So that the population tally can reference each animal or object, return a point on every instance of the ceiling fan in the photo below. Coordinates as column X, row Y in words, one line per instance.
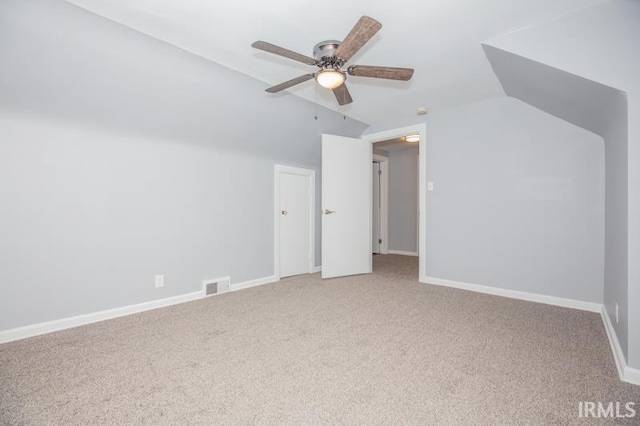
column 331, row 56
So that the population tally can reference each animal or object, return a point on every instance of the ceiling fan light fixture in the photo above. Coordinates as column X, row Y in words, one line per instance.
column 331, row 56
column 412, row 138
column 330, row 78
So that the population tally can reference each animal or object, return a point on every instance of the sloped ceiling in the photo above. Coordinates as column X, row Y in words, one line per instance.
column 63, row 63
column 440, row 40
column 583, row 102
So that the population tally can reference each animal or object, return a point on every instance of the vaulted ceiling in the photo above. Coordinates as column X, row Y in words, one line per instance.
column 441, row 40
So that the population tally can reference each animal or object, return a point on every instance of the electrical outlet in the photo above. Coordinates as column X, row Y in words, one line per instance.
column 617, row 316
column 159, row 281
column 429, row 186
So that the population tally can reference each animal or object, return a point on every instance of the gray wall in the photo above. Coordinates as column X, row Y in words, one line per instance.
column 602, row 110
column 601, row 45
column 518, row 201
column 403, row 199
column 122, row 157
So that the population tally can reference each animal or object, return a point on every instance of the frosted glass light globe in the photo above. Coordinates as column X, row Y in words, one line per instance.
column 330, row 78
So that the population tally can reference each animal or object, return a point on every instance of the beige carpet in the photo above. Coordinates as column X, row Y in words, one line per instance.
column 375, row 349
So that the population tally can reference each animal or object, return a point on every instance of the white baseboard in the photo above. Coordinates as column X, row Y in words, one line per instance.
column 65, row 323
column 403, row 253
column 253, row 283
column 316, row 269
column 515, row 294
column 627, row 374
column 631, row 375
column 618, row 355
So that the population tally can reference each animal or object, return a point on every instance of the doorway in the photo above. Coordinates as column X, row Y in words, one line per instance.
column 294, row 221
column 347, row 201
column 380, row 204
column 401, row 196
column 418, row 190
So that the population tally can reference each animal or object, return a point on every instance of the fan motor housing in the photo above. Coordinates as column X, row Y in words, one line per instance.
column 325, row 49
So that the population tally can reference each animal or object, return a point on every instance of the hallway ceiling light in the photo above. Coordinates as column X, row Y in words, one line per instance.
column 412, row 138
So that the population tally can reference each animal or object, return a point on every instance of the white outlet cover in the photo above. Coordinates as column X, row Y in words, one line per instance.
column 159, row 281
column 429, row 186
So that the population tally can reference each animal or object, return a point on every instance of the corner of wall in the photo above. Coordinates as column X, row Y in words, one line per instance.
column 626, row 373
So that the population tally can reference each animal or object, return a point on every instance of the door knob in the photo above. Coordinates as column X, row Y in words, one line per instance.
column 327, row 211
column 284, row 212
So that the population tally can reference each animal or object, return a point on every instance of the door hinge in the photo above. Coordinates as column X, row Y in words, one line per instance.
column 380, row 241
column 379, row 172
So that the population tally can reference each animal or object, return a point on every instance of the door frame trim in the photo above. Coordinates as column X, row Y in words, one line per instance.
column 384, row 194
column 278, row 170
column 421, row 129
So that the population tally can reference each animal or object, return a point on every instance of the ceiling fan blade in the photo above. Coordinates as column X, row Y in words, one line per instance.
column 389, row 73
column 272, row 48
column 342, row 94
column 290, row 83
column 360, row 34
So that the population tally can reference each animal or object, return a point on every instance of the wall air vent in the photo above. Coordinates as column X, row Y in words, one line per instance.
column 215, row 286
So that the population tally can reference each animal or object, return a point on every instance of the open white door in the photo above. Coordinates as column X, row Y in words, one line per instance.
column 346, row 206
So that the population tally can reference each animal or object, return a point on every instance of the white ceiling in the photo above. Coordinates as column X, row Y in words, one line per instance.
column 439, row 39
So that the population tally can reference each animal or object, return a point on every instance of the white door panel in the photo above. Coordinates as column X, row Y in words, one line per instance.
column 346, row 206
column 294, row 224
